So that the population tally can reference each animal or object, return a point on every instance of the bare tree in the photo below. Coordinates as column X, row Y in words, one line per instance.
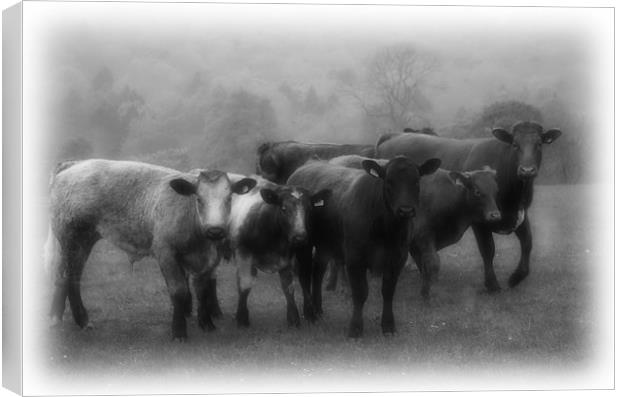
column 393, row 91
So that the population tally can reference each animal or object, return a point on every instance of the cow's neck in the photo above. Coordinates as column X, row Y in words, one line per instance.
column 514, row 193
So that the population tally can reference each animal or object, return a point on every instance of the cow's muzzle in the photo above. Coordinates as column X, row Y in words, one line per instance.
column 527, row 172
column 493, row 216
column 299, row 239
column 216, row 233
column 405, row 212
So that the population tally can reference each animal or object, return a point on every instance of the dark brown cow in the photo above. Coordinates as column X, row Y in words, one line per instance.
column 366, row 224
column 516, row 156
column 276, row 161
column 450, row 201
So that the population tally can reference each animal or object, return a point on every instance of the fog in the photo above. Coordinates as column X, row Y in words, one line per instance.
column 203, row 85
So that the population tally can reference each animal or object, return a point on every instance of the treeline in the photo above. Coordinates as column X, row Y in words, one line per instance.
column 206, row 123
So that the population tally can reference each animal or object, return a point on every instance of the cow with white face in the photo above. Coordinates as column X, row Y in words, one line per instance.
column 267, row 226
column 146, row 210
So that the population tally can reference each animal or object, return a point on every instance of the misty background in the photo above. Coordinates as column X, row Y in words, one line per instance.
column 208, row 95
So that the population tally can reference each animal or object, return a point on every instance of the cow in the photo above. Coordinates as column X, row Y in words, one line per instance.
column 145, row 210
column 515, row 155
column 276, row 161
column 366, row 224
column 450, row 201
column 266, row 227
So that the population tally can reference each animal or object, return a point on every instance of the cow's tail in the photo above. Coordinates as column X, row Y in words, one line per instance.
column 51, row 252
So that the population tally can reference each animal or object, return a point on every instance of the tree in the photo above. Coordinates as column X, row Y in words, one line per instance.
column 233, row 133
column 394, row 90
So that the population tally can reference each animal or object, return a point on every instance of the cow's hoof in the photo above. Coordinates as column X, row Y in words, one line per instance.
column 388, row 328
column 356, row 331
column 206, row 324
column 180, row 339
column 516, row 278
column 492, row 287
column 293, row 321
column 243, row 320
column 310, row 315
column 89, row 326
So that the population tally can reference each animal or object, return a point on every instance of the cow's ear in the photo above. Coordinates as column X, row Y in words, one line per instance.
column 270, row 196
column 551, row 135
column 459, row 178
column 183, row 187
column 243, row 186
column 373, row 168
column 429, row 166
column 319, row 199
column 502, row 135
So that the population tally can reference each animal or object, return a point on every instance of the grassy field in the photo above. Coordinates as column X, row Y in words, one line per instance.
column 545, row 323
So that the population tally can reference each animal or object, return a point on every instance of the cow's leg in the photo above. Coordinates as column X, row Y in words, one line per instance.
column 188, row 298
column 425, row 274
column 286, row 280
column 305, row 262
column 246, row 274
column 319, row 266
column 79, row 250
column 216, row 311
column 359, row 292
column 390, row 278
column 524, row 234
column 203, row 295
column 61, row 287
column 486, row 245
column 332, row 280
column 178, row 289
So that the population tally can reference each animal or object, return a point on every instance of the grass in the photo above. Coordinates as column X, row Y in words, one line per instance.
column 545, row 322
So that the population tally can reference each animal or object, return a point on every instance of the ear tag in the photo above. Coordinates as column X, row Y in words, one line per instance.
column 319, row 203
column 374, row 173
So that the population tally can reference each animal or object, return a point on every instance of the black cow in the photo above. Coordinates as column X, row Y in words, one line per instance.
column 366, row 224
column 276, row 161
column 516, row 156
column 450, row 201
column 266, row 227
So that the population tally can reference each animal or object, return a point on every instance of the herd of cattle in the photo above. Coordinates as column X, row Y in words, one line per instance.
column 359, row 207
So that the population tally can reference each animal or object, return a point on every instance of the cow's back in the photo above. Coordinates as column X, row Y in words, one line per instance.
column 453, row 153
column 125, row 201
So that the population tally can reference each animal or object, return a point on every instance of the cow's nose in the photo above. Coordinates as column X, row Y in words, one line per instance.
column 527, row 171
column 216, row 233
column 494, row 216
column 406, row 211
column 299, row 238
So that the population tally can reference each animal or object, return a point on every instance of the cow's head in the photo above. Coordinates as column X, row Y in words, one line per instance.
column 212, row 192
column 480, row 193
column 401, row 182
column 526, row 139
column 267, row 163
column 294, row 207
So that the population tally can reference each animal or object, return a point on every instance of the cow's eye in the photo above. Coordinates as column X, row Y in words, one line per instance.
column 477, row 193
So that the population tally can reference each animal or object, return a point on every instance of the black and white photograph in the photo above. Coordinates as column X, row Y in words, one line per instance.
column 217, row 198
